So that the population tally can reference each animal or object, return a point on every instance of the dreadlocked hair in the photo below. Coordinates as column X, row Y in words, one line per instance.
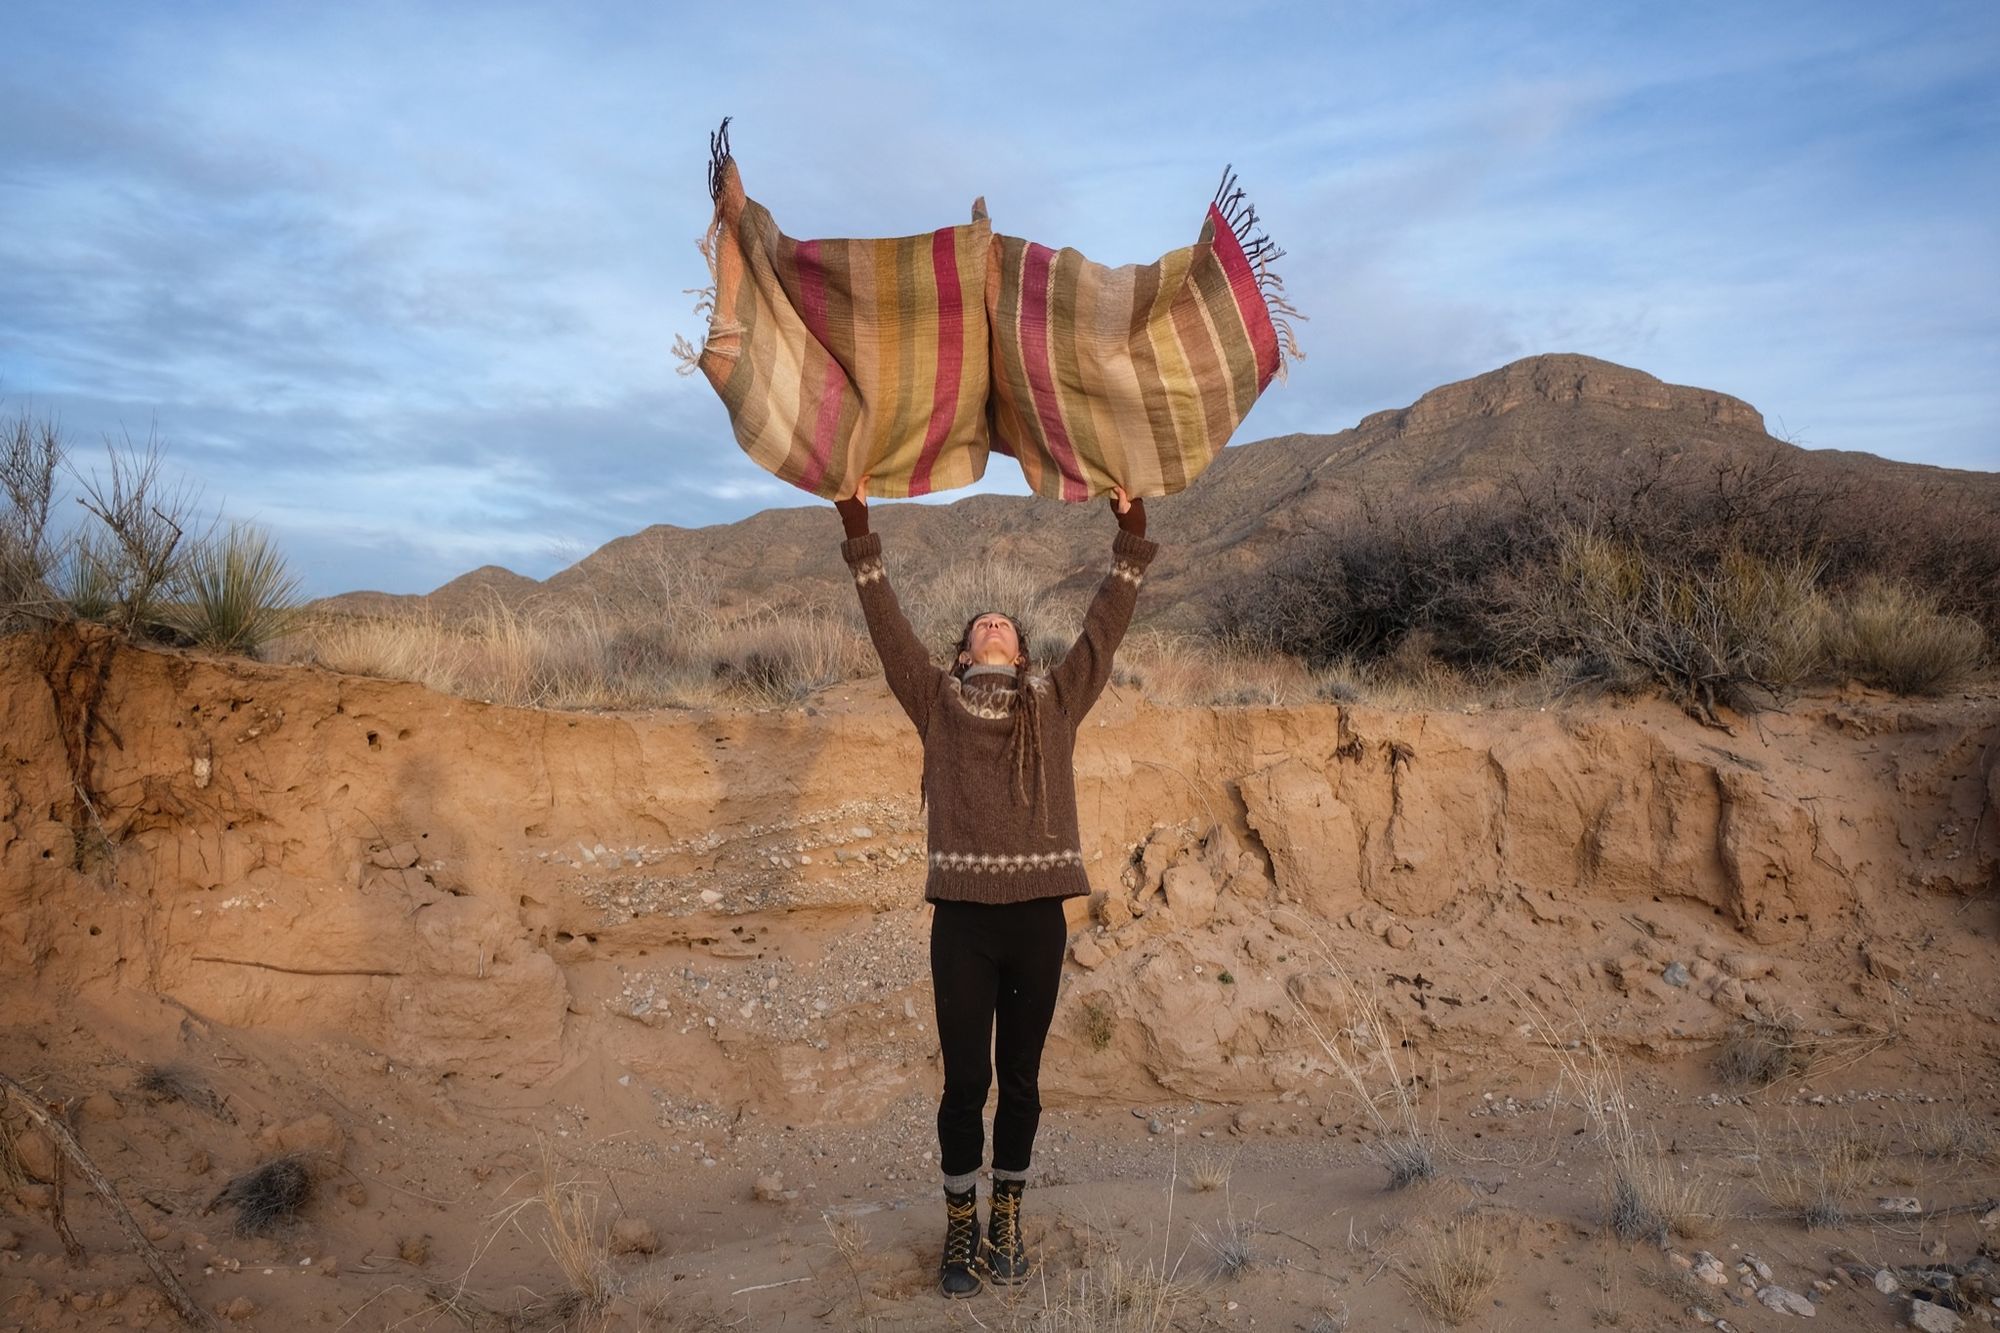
column 1025, row 740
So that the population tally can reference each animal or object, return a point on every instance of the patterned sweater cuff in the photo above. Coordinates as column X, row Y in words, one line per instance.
column 868, row 546
column 1137, row 550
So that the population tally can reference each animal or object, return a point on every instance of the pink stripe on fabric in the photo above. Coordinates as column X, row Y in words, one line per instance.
column 1035, row 352
column 950, row 356
column 812, row 307
column 1249, row 301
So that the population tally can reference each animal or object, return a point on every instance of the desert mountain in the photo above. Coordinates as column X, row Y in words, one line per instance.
column 1455, row 441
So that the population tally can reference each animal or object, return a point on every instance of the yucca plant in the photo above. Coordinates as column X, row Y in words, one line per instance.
column 90, row 578
column 239, row 594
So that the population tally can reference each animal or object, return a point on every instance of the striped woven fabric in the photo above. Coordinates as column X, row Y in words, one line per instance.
column 844, row 358
column 906, row 360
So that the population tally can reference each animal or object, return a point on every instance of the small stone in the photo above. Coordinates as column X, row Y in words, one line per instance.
column 1680, row 1261
column 1990, row 1218
column 1937, row 1249
column 1710, row 1270
column 1676, row 975
column 1758, row 1266
column 401, row 856
column 314, row 1134
column 633, row 1235
column 1086, row 953
column 711, row 896
column 355, row 1193
column 414, row 1250
column 239, row 1309
column 102, row 1106
column 1933, row 1318
column 1898, row 1203
column 1785, row 1301
column 769, row 1188
column 1398, row 936
column 1156, row 1126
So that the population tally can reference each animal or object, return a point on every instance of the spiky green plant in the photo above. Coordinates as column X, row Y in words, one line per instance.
column 239, row 594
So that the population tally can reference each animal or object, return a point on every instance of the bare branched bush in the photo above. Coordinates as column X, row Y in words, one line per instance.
column 32, row 452
column 1706, row 634
column 149, row 521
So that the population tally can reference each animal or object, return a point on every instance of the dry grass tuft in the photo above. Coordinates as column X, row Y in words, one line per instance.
column 177, row 1083
column 1811, row 1173
column 1233, row 1243
column 1649, row 1196
column 1453, row 1268
column 1949, row 1133
column 1755, row 1055
column 591, row 657
column 1890, row 634
column 573, row 1238
column 268, row 1198
column 1209, row 1169
column 1368, row 1056
column 1115, row 1296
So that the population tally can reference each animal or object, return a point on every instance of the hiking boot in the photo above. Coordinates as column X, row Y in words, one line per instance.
column 956, row 1276
column 1004, row 1254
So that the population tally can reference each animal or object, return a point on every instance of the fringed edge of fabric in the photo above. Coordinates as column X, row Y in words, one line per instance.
column 685, row 352
column 1262, row 252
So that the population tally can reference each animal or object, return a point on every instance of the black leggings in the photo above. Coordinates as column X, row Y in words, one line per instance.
column 994, row 970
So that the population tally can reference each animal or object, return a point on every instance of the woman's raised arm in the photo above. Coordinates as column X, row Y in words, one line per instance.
column 905, row 663
column 1080, row 677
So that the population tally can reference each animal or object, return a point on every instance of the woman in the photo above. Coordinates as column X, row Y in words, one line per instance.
column 1004, row 852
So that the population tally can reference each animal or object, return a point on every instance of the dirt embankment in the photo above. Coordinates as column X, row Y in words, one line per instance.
column 711, row 900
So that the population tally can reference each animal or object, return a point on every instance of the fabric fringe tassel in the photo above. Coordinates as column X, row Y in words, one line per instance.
column 718, row 157
column 686, row 352
column 1262, row 252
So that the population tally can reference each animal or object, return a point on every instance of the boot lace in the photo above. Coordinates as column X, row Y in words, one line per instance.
column 1006, row 1221
column 961, row 1232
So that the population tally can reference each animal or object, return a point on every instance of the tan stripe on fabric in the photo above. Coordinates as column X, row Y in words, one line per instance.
column 1072, row 401
column 1175, row 376
column 1208, row 377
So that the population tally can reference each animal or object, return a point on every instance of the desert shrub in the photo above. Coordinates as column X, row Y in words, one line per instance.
column 1706, row 631
column 239, row 595
column 1717, row 582
column 1356, row 592
column 1889, row 634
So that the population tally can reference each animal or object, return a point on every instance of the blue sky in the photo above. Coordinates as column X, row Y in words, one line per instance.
column 400, row 281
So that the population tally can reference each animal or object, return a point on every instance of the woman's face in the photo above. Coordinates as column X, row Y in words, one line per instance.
column 992, row 640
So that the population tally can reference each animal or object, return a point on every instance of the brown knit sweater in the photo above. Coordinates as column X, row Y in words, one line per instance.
column 986, row 844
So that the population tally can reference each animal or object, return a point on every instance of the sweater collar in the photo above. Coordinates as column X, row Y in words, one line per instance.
column 1003, row 673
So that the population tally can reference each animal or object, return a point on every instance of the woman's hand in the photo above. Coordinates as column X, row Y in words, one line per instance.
column 854, row 510
column 1131, row 512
